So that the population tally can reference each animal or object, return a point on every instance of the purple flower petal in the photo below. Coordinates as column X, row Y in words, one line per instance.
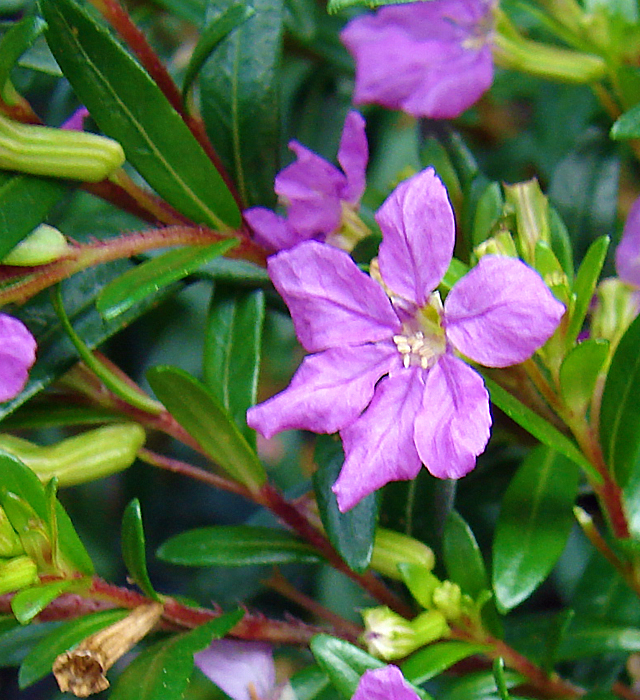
column 17, row 355
column 427, row 58
column 332, row 302
column 386, row 683
column 271, row 231
column 233, row 665
column 628, row 250
column 452, row 428
column 418, row 231
column 379, row 445
column 76, row 120
column 500, row 312
column 329, row 391
column 353, row 155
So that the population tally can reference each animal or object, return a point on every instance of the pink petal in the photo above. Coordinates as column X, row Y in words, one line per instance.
column 628, row 250
column 233, row 665
column 386, row 683
column 379, row 445
column 353, row 155
column 271, row 231
column 418, row 234
column 76, row 120
column 329, row 391
column 500, row 312
column 332, row 302
column 453, row 425
column 17, row 355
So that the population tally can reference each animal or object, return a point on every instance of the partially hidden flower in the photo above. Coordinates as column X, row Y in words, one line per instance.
column 243, row 670
column 76, row 120
column 17, row 355
column 628, row 250
column 385, row 368
column 386, row 683
column 429, row 59
column 320, row 200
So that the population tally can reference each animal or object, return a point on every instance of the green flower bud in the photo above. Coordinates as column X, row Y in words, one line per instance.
column 43, row 245
column 387, row 635
column 10, row 545
column 430, row 626
column 616, row 307
column 86, row 457
column 500, row 244
column 420, row 582
column 43, row 150
column 531, row 210
column 447, row 598
column 392, row 548
column 16, row 574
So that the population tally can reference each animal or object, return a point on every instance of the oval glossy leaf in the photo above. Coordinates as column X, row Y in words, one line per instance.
column 580, row 370
column 130, row 108
column 432, row 660
column 146, row 279
column 351, row 533
column 200, row 413
column 534, row 523
column 239, row 90
column 232, row 351
column 162, row 672
column 28, row 603
column 39, row 660
column 462, row 556
column 619, row 415
column 133, row 548
column 235, row 545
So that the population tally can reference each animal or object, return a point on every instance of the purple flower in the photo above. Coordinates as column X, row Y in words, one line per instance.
column 76, row 120
column 386, row 683
column 628, row 250
column 17, row 355
column 430, row 59
column 316, row 194
column 383, row 369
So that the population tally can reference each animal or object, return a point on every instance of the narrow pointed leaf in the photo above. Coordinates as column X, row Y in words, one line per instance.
column 28, row 603
column 133, row 548
column 436, row 658
column 15, row 42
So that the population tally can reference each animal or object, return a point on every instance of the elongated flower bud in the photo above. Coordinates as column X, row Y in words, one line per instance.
column 86, row 457
column 43, row 150
column 17, row 573
column 43, row 245
column 392, row 548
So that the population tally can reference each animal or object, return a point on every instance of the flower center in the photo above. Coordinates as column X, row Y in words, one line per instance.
column 422, row 340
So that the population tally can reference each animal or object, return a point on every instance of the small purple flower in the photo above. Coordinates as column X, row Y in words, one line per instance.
column 76, row 120
column 429, row 59
column 386, row 683
column 628, row 250
column 316, row 194
column 17, row 355
column 384, row 369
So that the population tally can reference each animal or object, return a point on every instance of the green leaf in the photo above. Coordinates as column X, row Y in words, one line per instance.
column 18, row 479
column 538, row 426
column 232, row 349
column 594, row 638
column 351, row 533
column 133, row 548
column 239, row 90
column 309, row 683
column 487, row 213
column 39, row 660
column 28, row 603
column 15, row 42
column 579, row 372
column 462, row 556
column 534, row 523
column 200, row 413
column 25, row 201
column 432, row 660
column 585, row 285
column 162, row 672
column 337, row 5
column 191, row 10
column 235, row 545
column 627, row 126
column 18, row 641
column 130, row 108
column 143, row 280
column 620, row 410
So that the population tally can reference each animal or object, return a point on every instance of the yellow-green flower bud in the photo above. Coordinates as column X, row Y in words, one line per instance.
column 387, row 635
column 16, row 574
column 447, row 598
column 500, row 244
column 43, row 245
column 86, row 457
column 10, row 545
column 531, row 210
column 430, row 626
column 43, row 150
column 616, row 307
column 392, row 548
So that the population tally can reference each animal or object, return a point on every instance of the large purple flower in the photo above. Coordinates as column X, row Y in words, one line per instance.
column 385, row 369
column 317, row 195
column 430, row 59
column 386, row 683
column 17, row 354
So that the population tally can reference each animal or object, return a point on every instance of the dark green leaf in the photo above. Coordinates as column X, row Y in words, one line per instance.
column 39, row 660
column 129, row 107
column 133, row 548
column 239, row 88
column 538, row 426
column 436, row 658
column 593, row 638
column 15, row 42
column 140, row 282
column 25, row 201
column 579, row 372
column 235, row 545
column 337, row 5
column 534, row 523
column 191, row 10
column 232, row 348
column 620, row 409
column 162, row 672
column 28, row 603
column 351, row 533
column 487, row 213
column 462, row 556
column 18, row 641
